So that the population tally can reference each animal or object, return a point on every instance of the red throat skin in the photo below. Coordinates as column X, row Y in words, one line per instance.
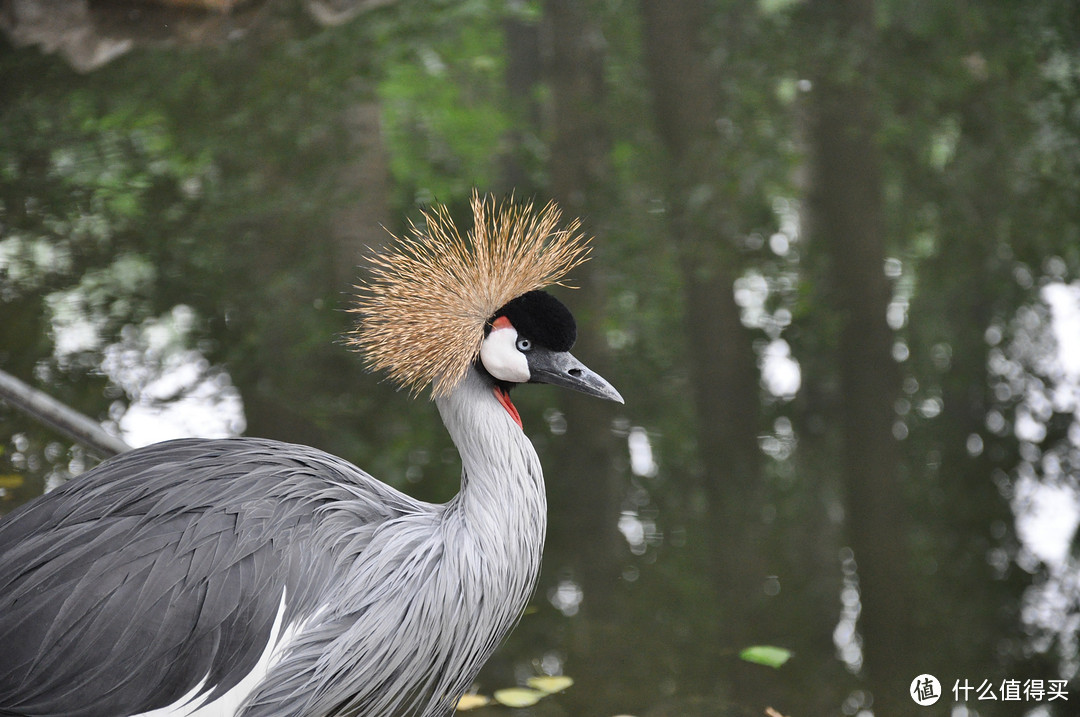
column 504, row 399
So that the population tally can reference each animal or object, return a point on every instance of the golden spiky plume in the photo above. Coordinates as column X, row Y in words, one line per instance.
column 427, row 298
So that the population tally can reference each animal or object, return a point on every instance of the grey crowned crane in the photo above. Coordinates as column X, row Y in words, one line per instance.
column 256, row 578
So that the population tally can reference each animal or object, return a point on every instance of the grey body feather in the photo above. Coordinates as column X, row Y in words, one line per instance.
column 165, row 568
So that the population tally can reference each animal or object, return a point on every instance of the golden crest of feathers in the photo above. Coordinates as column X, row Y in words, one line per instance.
column 424, row 306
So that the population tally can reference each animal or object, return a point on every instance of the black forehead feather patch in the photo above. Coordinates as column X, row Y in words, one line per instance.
column 541, row 317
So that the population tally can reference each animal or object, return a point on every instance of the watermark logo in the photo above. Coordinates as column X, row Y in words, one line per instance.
column 925, row 690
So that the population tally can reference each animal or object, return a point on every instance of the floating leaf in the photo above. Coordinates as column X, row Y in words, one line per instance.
column 550, row 684
column 768, row 655
column 471, row 702
column 518, row 697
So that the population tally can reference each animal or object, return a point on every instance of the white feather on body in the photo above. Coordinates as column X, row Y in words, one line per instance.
column 193, row 704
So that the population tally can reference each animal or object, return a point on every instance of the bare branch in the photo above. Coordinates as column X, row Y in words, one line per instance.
column 46, row 409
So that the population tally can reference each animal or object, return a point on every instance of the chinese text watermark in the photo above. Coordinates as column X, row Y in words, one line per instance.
column 926, row 689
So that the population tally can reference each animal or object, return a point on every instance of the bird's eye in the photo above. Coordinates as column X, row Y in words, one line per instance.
column 523, row 344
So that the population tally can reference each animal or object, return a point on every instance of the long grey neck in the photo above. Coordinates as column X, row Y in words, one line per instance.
column 502, row 504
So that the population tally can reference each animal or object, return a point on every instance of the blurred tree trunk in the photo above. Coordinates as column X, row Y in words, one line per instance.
column 685, row 85
column 585, row 493
column 951, row 316
column 364, row 183
column 274, row 399
column 523, row 74
column 847, row 223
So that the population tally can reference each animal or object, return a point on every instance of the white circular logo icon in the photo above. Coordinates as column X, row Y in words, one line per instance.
column 925, row 690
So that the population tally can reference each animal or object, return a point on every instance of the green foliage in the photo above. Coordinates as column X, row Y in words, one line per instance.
column 444, row 107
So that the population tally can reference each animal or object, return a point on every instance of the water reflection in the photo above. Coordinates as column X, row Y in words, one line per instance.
column 566, row 597
column 846, row 635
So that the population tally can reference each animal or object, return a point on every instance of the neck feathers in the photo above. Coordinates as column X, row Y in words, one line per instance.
column 502, row 483
column 494, row 528
column 501, row 510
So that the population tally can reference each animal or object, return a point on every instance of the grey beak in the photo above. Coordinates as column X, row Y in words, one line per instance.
column 560, row 368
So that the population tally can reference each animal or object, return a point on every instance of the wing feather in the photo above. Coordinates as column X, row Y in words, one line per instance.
column 164, row 568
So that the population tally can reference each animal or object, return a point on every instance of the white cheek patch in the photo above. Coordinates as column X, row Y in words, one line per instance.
column 501, row 358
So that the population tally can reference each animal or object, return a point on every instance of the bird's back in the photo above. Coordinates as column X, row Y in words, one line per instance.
column 177, row 560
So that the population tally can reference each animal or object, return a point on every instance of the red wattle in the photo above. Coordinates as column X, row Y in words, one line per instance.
column 504, row 399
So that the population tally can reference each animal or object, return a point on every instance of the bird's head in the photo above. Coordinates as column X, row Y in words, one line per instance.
column 437, row 305
column 529, row 340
